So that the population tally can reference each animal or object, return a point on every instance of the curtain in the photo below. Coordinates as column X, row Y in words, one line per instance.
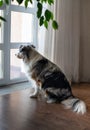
column 62, row 46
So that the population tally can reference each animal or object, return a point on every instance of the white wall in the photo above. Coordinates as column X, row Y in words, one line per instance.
column 85, row 41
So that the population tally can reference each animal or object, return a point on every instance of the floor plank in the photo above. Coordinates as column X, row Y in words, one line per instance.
column 19, row 112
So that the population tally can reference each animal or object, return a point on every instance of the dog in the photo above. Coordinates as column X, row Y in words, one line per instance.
column 49, row 78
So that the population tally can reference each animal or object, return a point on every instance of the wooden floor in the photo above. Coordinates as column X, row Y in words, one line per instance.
column 19, row 112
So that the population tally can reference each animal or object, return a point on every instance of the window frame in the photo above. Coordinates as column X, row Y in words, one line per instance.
column 7, row 45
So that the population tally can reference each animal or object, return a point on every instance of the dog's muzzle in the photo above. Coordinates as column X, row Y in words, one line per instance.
column 19, row 55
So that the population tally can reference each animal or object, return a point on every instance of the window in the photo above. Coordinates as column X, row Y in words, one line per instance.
column 20, row 28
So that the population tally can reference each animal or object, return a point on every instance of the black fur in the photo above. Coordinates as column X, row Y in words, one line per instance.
column 54, row 79
column 39, row 66
column 57, row 80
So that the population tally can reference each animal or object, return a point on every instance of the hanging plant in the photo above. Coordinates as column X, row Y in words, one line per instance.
column 44, row 18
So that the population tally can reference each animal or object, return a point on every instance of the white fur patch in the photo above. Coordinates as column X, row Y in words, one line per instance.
column 80, row 106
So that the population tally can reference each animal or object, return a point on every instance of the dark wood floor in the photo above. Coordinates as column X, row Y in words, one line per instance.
column 19, row 112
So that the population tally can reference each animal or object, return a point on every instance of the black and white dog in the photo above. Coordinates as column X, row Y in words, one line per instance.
column 48, row 77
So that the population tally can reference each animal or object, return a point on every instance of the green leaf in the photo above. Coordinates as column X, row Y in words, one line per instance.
column 44, row 1
column 50, row 2
column 51, row 15
column 7, row 2
column 26, row 3
column 39, row 5
column 41, row 21
column 31, row 1
column 46, row 24
column 55, row 24
column 19, row 1
column 1, row 3
column 3, row 19
column 39, row 13
column 47, row 15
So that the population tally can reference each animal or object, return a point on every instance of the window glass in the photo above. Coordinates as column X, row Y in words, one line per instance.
column 16, row 66
column 21, row 27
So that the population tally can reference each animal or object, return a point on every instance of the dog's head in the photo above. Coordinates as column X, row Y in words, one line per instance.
column 24, row 51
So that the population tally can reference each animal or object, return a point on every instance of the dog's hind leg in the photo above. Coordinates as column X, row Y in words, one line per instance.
column 51, row 98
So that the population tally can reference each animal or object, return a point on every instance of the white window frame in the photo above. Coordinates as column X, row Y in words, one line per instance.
column 7, row 45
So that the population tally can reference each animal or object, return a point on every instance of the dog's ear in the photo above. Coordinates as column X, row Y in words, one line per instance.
column 33, row 46
column 21, row 46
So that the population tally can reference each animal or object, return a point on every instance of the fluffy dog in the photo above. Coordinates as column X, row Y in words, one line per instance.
column 48, row 77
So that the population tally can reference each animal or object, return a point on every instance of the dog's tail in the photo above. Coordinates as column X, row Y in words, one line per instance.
column 75, row 104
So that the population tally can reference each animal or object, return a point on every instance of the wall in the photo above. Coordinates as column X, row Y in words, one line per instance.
column 85, row 41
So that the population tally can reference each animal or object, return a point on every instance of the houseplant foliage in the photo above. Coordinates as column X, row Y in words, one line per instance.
column 43, row 18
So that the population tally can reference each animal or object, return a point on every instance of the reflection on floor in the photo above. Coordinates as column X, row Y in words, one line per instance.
column 15, row 87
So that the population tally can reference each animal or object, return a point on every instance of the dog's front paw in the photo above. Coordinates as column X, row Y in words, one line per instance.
column 33, row 95
column 51, row 100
